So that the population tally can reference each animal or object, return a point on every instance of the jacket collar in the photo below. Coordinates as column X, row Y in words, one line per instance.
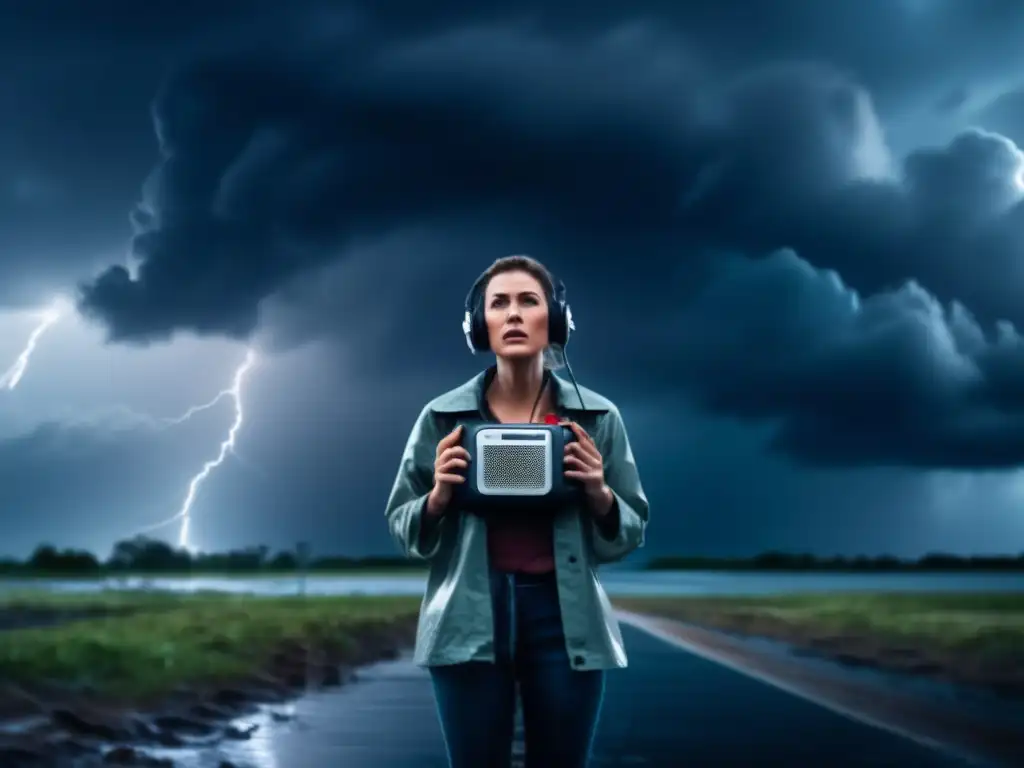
column 466, row 397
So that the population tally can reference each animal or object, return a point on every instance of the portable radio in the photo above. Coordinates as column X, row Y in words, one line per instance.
column 516, row 467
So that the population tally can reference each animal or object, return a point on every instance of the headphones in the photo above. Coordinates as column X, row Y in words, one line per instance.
column 474, row 322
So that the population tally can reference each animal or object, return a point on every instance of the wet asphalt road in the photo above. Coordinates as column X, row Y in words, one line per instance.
column 668, row 708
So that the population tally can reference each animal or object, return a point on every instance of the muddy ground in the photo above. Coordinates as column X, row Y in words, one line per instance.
column 53, row 726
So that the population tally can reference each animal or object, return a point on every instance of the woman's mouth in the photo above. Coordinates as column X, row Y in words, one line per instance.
column 514, row 335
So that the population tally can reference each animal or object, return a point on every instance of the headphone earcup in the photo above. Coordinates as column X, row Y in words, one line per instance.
column 481, row 340
column 560, row 324
column 474, row 324
column 558, row 328
column 467, row 330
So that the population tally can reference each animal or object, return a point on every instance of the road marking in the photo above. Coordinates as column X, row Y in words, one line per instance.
column 651, row 626
column 519, row 740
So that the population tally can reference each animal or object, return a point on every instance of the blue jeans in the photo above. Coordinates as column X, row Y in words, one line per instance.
column 476, row 701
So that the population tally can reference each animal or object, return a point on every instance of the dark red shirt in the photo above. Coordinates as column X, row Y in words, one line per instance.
column 517, row 545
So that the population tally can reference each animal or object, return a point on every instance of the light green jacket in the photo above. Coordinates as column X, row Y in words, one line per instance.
column 455, row 623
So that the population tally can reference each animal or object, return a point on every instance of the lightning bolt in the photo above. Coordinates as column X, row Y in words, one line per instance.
column 168, row 421
column 227, row 446
column 13, row 375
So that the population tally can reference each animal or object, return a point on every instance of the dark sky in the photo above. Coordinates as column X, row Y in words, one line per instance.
column 792, row 233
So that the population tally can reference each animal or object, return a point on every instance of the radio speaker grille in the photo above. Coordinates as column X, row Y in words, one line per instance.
column 515, row 467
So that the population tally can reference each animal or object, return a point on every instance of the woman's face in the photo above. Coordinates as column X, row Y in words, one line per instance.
column 517, row 315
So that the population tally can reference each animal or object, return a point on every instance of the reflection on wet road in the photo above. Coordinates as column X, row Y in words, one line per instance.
column 668, row 709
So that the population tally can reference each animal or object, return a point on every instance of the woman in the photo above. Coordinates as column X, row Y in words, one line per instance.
column 518, row 603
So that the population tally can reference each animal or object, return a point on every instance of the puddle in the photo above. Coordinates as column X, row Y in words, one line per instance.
column 385, row 718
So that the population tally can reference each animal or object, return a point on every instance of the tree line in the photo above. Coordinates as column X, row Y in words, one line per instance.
column 144, row 555
column 784, row 561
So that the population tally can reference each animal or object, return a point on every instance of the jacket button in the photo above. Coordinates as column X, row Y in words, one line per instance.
column 572, row 558
column 578, row 661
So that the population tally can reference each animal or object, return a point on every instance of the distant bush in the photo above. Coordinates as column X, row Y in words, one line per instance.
column 782, row 561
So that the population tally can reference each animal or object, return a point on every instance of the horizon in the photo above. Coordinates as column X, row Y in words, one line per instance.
column 269, row 552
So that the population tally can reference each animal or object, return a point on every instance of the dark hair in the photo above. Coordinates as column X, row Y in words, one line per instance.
column 554, row 356
column 519, row 263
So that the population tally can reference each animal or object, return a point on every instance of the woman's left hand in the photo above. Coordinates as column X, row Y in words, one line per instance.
column 583, row 462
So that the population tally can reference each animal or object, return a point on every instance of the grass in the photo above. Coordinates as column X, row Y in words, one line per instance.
column 107, row 599
column 150, row 643
column 138, row 644
column 990, row 625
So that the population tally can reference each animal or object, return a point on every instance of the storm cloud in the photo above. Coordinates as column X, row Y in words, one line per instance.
column 894, row 378
column 272, row 166
column 611, row 139
column 625, row 143
column 789, row 229
column 267, row 171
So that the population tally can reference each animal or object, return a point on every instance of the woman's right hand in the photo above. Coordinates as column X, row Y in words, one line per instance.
column 449, row 459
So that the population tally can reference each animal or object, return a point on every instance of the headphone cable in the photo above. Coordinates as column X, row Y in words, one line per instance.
column 568, row 369
column 545, row 379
